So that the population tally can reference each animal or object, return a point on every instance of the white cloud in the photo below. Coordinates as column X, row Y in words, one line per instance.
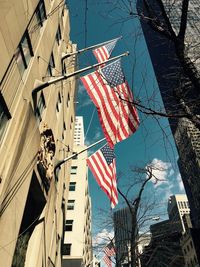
column 161, row 171
column 83, row 103
column 102, row 237
column 169, row 179
column 171, row 172
column 81, row 89
column 97, row 135
column 180, row 183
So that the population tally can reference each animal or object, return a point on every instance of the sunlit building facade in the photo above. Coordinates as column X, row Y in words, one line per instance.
column 34, row 131
column 77, row 250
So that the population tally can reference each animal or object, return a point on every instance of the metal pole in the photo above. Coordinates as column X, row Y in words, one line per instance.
column 73, row 155
column 88, row 48
column 64, row 77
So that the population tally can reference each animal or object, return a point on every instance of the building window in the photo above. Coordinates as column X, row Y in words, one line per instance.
column 75, row 155
column 185, row 204
column 24, row 53
column 74, row 170
column 59, row 102
column 72, row 186
column 68, row 225
column 58, row 35
column 40, row 107
column 70, row 204
column 67, row 249
column 71, row 122
column 68, row 100
column 59, row 98
column 51, row 65
column 4, row 115
column 40, row 13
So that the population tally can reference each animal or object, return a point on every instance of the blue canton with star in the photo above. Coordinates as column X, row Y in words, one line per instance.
column 110, row 46
column 108, row 153
column 113, row 73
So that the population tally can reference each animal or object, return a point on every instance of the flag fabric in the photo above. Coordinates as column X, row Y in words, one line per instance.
column 103, row 53
column 107, row 261
column 103, row 166
column 109, row 251
column 113, row 99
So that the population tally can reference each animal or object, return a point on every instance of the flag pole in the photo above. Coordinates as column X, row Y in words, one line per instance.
column 64, row 77
column 88, row 48
column 43, row 85
column 74, row 155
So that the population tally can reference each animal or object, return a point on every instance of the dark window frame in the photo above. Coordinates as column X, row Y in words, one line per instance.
column 67, row 249
column 70, row 204
column 72, row 186
column 5, row 115
column 51, row 64
column 73, row 168
column 20, row 52
column 69, row 225
column 38, row 111
column 38, row 12
column 58, row 35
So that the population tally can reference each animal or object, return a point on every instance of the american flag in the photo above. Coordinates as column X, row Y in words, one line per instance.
column 109, row 251
column 107, row 261
column 102, row 53
column 112, row 96
column 102, row 165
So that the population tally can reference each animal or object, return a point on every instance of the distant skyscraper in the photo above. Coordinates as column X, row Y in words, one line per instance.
column 123, row 228
column 79, row 131
column 177, row 207
column 170, row 78
column 78, row 241
column 164, row 248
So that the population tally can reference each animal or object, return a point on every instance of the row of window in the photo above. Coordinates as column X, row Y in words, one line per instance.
column 192, row 263
column 22, row 57
column 24, row 51
column 183, row 204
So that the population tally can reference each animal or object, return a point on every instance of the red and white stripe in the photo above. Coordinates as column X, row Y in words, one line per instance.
column 105, row 175
column 109, row 250
column 118, row 118
column 107, row 261
column 101, row 53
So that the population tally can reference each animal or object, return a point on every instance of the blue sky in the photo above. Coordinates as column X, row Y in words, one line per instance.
column 153, row 142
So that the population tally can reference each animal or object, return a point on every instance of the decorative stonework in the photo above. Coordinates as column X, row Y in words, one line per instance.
column 46, row 155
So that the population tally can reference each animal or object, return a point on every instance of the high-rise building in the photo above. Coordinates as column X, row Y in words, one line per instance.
column 123, row 229
column 171, row 79
column 165, row 248
column 77, row 250
column 34, row 130
column 190, row 243
column 79, row 131
column 177, row 207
